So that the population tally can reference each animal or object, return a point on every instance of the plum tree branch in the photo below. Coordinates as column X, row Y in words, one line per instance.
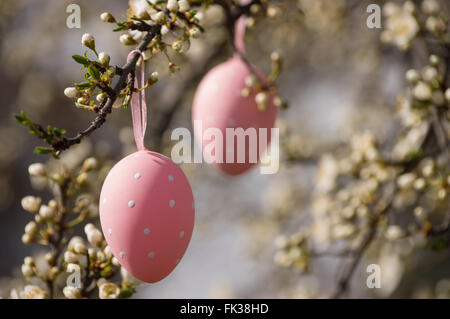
column 126, row 70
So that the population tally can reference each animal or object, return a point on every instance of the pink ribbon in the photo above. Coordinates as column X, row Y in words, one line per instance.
column 239, row 30
column 239, row 33
column 139, row 112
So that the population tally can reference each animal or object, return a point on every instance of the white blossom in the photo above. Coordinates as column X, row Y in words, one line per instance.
column 31, row 228
column 88, row 41
column 183, row 5
column 31, row 204
column 107, row 17
column 104, row 58
column 71, row 292
column 109, row 291
column 37, row 170
column 33, row 292
column 70, row 257
column 172, row 5
column 71, row 92
column 46, row 212
column 94, row 237
column 422, row 91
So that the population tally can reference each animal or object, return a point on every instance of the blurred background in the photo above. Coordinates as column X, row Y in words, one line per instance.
column 338, row 78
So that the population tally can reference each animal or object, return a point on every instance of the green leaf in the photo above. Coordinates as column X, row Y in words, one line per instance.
column 22, row 118
column 42, row 150
column 127, row 292
column 94, row 72
column 80, row 59
column 58, row 132
column 82, row 86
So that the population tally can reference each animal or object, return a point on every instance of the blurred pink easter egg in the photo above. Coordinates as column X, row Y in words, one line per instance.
column 218, row 103
column 147, row 214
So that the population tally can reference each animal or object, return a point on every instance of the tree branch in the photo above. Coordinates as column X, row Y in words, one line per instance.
column 126, row 70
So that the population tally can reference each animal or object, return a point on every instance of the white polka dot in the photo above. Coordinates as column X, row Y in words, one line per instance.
column 131, row 203
column 171, row 178
column 122, row 254
column 146, row 231
column 172, row 203
column 137, row 175
column 104, row 200
column 177, row 261
column 181, row 234
column 110, row 231
column 151, row 254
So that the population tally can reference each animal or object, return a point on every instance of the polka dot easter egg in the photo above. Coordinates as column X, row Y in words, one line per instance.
column 147, row 214
column 219, row 104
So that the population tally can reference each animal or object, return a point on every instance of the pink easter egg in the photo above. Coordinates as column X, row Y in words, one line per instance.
column 218, row 103
column 147, row 214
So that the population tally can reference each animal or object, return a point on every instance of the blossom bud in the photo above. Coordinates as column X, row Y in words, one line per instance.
column 37, row 170
column 177, row 45
column 108, row 291
column 82, row 178
column 273, row 11
column 183, row 5
column 80, row 248
column 31, row 228
column 430, row 7
column 49, row 258
column 71, row 292
column 71, row 92
column 29, row 261
column 194, row 33
column 261, row 101
column 159, row 17
column 33, row 292
column 46, row 212
column 172, row 5
column 70, row 257
column 90, row 164
column 447, row 95
column 164, row 30
column 88, row 41
column 92, row 253
column 251, row 80
column 412, row 76
column 27, row 270
column 88, row 228
column 53, row 204
column 27, row 238
column 108, row 252
column 100, row 97
column 127, row 39
column 82, row 100
column 422, row 91
column 31, row 204
column 115, row 262
column 107, row 17
column 104, row 59
column 435, row 60
column 154, row 77
column 94, row 237
column 142, row 13
column 275, row 56
column 100, row 256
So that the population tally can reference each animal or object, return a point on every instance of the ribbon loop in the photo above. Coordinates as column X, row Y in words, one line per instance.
column 139, row 106
column 239, row 33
